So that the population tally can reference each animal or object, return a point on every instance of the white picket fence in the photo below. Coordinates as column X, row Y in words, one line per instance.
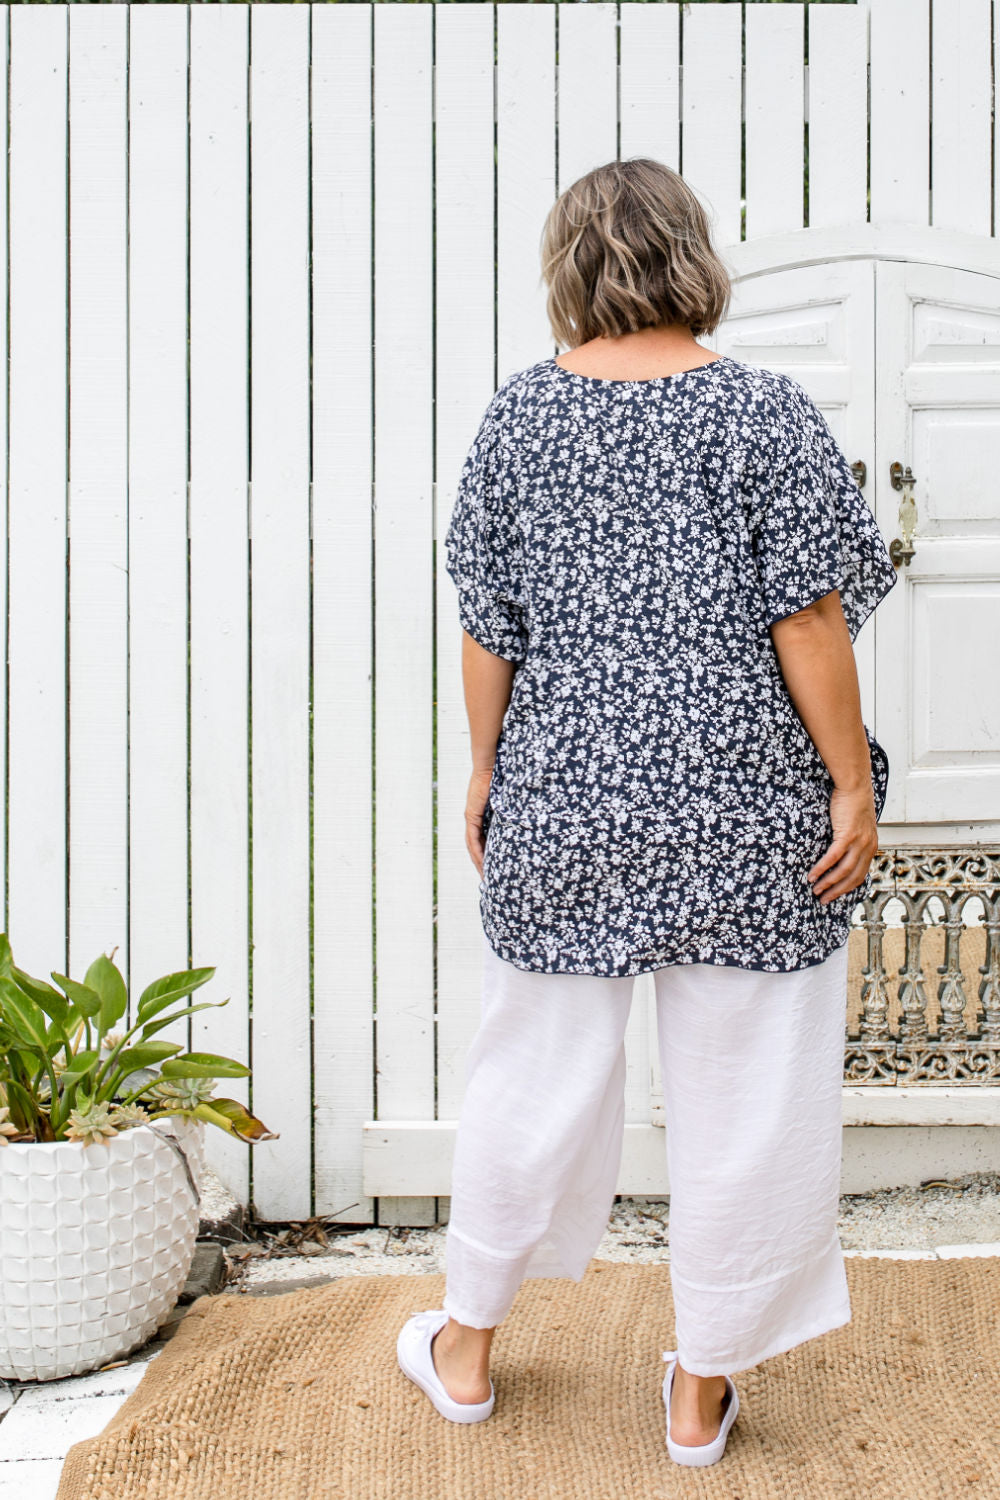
column 253, row 318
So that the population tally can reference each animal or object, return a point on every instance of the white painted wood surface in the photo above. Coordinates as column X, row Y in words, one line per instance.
column 712, row 115
column 37, row 474
column 837, row 112
column 343, row 590
column 775, row 98
column 142, row 437
column 899, row 110
column 280, row 598
column 341, row 207
column 938, row 402
column 815, row 323
column 960, row 143
column 218, row 516
column 417, row 1153
column 403, row 551
column 465, row 288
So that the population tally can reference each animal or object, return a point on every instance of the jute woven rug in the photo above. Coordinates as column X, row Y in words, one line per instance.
column 299, row 1397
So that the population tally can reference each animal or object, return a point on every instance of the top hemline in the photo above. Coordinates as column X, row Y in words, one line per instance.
column 716, row 962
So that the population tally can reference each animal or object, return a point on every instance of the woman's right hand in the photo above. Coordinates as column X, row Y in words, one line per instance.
column 855, row 841
column 475, row 805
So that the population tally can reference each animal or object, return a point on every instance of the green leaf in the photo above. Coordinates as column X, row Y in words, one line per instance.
column 56, row 1040
column 241, row 1122
column 50, row 1000
column 86, row 1000
column 82, row 1064
column 105, row 980
column 163, row 992
column 231, row 1116
column 20, row 1065
column 24, row 1017
column 146, row 1055
column 203, row 1065
column 152, row 1027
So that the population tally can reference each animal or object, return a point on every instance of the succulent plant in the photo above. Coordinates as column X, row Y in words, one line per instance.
column 90, row 1125
column 7, row 1127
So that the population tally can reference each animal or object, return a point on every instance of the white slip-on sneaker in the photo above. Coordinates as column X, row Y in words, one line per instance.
column 697, row 1454
column 413, row 1351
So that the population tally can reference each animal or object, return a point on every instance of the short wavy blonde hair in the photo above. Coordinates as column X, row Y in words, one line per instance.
column 628, row 246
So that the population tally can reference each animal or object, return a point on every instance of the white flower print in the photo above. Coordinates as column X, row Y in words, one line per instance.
column 656, row 798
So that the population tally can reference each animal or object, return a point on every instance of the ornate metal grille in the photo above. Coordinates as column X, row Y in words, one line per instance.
column 930, row 895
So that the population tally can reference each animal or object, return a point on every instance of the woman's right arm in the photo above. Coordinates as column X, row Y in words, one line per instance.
column 816, row 656
column 488, row 681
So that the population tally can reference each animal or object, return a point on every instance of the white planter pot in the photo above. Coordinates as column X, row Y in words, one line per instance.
column 95, row 1244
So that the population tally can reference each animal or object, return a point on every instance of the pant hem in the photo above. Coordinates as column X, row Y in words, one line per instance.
column 472, row 1320
column 777, row 1346
column 747, row 1286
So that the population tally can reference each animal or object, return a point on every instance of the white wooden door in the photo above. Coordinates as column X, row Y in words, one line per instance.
column 937, row 337
column 903, row 359
column 816, row 323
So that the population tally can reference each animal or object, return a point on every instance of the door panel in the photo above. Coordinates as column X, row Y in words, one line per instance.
column 816, row 324
column 937, row 335
column 903, row 360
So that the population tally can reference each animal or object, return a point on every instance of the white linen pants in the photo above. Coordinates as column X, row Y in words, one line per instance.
column 752, row 1066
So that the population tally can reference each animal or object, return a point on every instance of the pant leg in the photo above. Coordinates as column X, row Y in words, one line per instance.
column 752, row 1068
column 540, row 1134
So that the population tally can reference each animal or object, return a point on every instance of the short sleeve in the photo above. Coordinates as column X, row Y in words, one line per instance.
column 483, row 549
column 815, row 531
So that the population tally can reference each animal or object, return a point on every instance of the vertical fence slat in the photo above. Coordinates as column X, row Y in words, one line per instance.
column 279, row 248
column 99, row 537
column 711, row 113
column 220, row 652
column 157, row 477
column 995, row 92
column 526, row 178
column 36, row 809
column 650, row 82
column 774, row 118
column 4, row 539
column 960, row 144
column 587, row 89
column 900, row 102
column 464, row 348
column 342, row 603
column 838, row 115
column 404, row 331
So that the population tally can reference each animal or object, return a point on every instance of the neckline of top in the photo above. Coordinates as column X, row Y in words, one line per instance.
column 708, row 364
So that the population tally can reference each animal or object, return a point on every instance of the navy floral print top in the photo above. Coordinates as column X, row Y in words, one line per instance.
column 656, row 798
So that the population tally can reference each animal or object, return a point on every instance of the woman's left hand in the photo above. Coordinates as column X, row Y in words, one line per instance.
column 475, row 806
column 855, row 842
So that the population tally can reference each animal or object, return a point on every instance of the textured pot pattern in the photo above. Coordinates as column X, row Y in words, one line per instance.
column 95, row 1244
column 190, row 1136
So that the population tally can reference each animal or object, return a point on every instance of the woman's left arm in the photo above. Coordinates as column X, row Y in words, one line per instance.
column 487, row 681
column 814, row 649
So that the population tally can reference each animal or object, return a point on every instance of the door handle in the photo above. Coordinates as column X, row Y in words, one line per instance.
column 901, row 548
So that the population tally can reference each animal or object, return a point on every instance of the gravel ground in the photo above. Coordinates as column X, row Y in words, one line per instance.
column 960, row 1212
